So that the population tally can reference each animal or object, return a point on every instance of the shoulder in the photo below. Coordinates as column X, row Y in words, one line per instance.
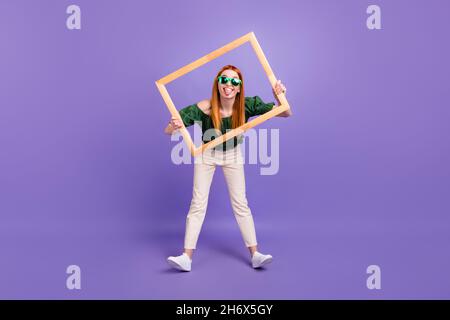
column 250, row 102
column 253, row 100
column 204, row 106
column 256, row 106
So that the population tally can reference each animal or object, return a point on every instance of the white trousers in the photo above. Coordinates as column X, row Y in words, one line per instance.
column 232, row 164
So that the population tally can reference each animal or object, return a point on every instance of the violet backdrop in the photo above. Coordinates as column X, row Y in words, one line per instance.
column 86, row 176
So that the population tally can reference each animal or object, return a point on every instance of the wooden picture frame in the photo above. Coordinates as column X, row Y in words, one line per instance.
column 161, row 84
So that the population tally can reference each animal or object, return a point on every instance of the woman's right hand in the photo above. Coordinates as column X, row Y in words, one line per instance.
column 175, row 123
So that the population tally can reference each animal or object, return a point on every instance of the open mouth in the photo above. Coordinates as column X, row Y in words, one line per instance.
column 228, row 91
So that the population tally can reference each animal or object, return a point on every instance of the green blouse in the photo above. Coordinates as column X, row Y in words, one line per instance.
column 192, row 114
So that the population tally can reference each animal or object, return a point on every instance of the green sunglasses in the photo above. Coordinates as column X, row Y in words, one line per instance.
column 224, row 80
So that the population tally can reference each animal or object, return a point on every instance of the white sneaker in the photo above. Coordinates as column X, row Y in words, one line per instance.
column 259, row 259
column 181, row 262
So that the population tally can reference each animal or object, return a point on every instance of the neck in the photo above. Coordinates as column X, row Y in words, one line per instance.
column 227, row 104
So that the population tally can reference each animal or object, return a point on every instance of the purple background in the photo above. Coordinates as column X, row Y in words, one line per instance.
column 86, row 176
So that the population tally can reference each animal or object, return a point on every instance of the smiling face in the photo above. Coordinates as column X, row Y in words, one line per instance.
column 228, row 91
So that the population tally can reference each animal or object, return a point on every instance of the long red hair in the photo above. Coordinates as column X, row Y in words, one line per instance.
column 238, row 114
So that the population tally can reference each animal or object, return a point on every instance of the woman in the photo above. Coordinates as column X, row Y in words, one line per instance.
column 227, row 109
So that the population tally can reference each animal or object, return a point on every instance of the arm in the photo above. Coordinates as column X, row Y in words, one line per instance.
column 280, row 88
column 188, row 116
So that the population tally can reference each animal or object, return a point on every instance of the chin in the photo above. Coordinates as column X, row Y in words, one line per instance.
column 223, row 96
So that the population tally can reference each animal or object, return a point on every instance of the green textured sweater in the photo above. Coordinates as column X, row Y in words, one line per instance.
column 253, row 106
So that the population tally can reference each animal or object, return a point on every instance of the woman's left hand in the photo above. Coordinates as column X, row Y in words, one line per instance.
column 279, row 88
